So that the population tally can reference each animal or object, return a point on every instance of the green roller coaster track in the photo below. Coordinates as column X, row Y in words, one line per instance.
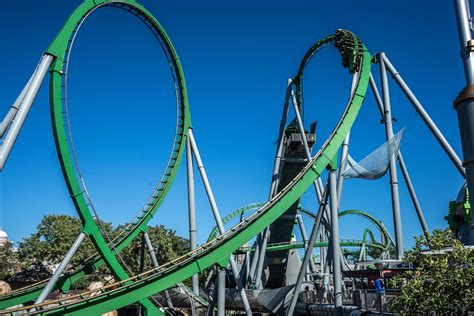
column 138, row 288
column 301, row 244
column 219, row 250
column 386, row 238
column 107, row 250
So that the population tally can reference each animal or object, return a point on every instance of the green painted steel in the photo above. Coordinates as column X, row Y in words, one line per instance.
column 301, row 244
column 386, row 239
column 107, row 252
column 219, row 250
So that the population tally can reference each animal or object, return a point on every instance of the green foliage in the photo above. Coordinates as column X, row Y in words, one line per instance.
column 56, row 233
column 443, row 281
column 9, row 261
column 167, row 246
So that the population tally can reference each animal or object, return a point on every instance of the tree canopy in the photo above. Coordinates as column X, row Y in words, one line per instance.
column 443, row 279
column 56, row 233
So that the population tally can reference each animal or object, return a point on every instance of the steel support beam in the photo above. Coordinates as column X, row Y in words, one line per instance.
column 397, row 221
column 464, row 103
column 14, row 108
column 299, row 218
column 221, row 292
column 60, row 269
column 345, row 146
column 261, row 259
column 20, row 115
column 308, row 254
column 154, row 261
column 253, row 265
column 259, row 256
column 424, row 115
column 401, row 163
column 217, row 217
column 191, row 210
column 337, row 276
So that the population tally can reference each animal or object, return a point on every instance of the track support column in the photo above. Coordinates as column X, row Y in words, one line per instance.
column 336, row 266
column 218, row 219
column 60, row 269
column 154, row 261
column 401, row 163
column 191, row 209
column 308, row 254
column 18, row 113
column 464, row 103
column 221, row 292
column 397, row 221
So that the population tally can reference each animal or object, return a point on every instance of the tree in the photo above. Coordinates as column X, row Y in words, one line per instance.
column 53, row 238
column 443, row 279
column 166, row 244
column 9, row 261
column 56, row 233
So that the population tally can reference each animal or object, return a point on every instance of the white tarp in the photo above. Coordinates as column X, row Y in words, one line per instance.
column 375, row 164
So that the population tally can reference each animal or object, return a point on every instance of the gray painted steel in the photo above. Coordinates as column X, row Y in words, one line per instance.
column 465, row 109
column 261, row 259
column 191, row 210
column 402, row 165
column 154, row 261
column 463, row 19
column 24, row 108
column 425, row 116
column 221, row 292
column 308, row 254
column 14, row 108
column 218, row 219
column 387, row 117
column 336, row 266
column 299, row 218
column 60, row 269
column 345, row 147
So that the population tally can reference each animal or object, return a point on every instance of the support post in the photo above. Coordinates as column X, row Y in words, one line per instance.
column 154, row 261
column 337, row 277
column 253, row 265
column 192, row 210
column 401, row 163
column 424, row 115
column 308, row 254
column 393, row 166
column 221, row 292
column 60, row 269
column 218, row 219
column 14, row 108
column 414, row 198
column 259, row 257
column 23, row 109
column 299, row 218
column 345, row 146
column 464, row 103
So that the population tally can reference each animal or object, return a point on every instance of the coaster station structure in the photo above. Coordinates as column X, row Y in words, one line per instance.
column 269, row 274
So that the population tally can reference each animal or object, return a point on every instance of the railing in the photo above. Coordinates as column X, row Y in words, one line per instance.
column 370, row 300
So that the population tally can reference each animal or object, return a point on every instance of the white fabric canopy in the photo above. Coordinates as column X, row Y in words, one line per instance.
column 375, row 164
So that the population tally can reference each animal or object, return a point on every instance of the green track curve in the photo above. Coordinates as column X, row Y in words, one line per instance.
column 301, row 244
column 386, row 238
column 219, row 250
column 107, row 251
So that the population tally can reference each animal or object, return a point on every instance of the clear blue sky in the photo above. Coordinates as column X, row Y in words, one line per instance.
column 237, row 57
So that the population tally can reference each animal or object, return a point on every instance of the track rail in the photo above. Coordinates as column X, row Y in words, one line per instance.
column 219, row 250
column 301, row 244
column 386, row 238
column 108, row 249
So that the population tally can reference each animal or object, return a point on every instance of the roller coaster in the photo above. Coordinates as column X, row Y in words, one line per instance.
column 255, row 261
